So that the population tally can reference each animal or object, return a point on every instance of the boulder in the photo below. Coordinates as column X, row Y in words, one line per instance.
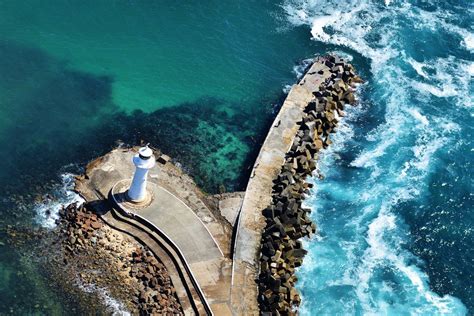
column 96, row 225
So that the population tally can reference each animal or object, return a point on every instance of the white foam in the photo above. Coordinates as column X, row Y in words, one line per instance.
column 470, row 69
column 467, row 37
column 383, row 255
column 113, row 306
column 440, row 92
column 299, row 69
column 378, row 249
column 320, row 23
column 344, row 55
column 417, row 115
column 385, row 252
column 287, row 88
column 384, row 137
column 468, row 40
column 418, row 67
column 47, row 211
column 400, row 152
column 451, row 78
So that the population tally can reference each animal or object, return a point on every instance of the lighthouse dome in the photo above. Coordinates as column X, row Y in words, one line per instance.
column 145, row 152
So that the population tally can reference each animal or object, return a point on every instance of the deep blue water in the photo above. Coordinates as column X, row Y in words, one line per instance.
column 395, row 210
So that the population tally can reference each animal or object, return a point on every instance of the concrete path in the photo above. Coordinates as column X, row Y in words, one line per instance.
column 172, row 216
column 185, row 290
column 258, row 194
column 177, row 221
column 178, row 210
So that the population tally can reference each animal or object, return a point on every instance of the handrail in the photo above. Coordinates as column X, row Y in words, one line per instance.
column 235, row 235
column 233, row 238
column 147, row 223
column 170, row 243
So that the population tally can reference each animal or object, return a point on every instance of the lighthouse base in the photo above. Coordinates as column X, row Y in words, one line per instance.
column 145, row 201
column 121, row 194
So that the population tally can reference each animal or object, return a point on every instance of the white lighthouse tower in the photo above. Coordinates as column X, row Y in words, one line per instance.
column 143, row 162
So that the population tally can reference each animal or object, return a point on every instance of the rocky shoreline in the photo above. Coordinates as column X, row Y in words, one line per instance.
column 287, row 220
column 106, row 259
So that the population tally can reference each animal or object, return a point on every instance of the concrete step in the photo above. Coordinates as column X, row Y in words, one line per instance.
column 187, row 289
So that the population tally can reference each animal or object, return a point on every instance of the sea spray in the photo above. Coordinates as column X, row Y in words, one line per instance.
column 299, row 70
column 47, row 211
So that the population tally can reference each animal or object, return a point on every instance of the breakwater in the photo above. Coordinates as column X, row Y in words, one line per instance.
column 267, row 246
column 272, row 219
column 286, row 219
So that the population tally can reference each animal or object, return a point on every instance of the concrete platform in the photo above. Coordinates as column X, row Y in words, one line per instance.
column 175, row 219
column 178, row 209
column 229, row 286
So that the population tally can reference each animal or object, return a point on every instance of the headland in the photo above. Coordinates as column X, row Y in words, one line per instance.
column 226, row 254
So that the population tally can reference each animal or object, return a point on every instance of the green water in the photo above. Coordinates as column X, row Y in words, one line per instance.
column 200, row 80
column 151, row 56
column 159, row 54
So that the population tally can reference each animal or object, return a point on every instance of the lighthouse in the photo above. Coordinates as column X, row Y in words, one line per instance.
column 143, row 162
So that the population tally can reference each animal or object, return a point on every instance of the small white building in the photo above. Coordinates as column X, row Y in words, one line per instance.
column 143, row 161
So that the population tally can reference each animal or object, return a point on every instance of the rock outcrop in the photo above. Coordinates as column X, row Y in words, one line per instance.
column 106, row 258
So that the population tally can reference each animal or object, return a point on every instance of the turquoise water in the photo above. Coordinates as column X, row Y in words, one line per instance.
column 199, row 81
column 196, row 73
column 202, row 81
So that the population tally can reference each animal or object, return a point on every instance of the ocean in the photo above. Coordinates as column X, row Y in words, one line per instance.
column 395, row 208
column 203, row 81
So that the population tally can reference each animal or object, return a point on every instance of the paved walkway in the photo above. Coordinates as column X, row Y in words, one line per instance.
column 185, row 290
column 210, row 267
column 177, row 221
column 183, row 226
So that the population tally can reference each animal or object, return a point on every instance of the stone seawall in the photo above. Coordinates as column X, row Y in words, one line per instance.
column 286, row 220
column 272, row 220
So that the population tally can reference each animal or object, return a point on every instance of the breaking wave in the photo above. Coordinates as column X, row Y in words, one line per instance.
column 47, row 211
column 113, row 306
column 386, row 153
